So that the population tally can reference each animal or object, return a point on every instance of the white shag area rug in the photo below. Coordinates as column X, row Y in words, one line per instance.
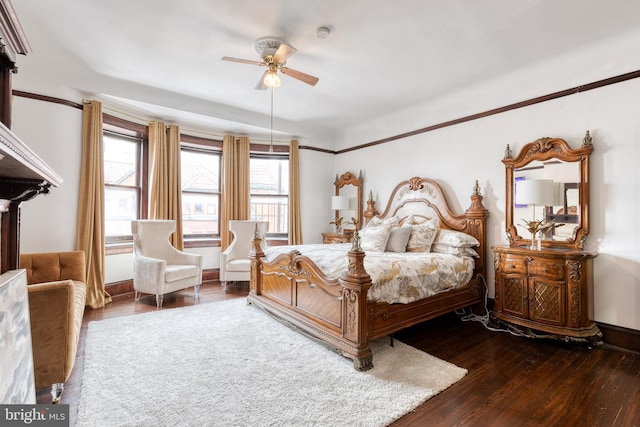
column 230, row 364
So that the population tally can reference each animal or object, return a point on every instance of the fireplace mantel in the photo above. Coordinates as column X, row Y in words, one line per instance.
column 23, row 175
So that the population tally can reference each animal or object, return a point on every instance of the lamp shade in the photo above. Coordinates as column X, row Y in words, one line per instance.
column 339, row 203
column 534, row 192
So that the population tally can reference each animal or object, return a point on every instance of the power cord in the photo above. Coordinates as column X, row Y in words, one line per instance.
column 485, row 319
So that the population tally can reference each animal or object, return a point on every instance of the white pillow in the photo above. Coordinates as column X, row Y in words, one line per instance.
column 422, row 236
column 455, row 238
column 454, row 250
column 388, row 223
column 374, row 238
column 398, row 239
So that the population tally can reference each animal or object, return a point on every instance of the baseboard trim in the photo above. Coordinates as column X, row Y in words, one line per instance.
column 628, row 339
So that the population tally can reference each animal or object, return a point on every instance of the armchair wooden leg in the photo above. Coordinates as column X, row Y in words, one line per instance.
column 196, row 289
column 159, row 299
column 137, row 295
column 56, row 393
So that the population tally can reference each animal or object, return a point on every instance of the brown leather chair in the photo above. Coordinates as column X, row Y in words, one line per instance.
column 57, row 293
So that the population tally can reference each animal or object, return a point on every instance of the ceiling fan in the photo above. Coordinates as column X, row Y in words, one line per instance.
column 274, row 53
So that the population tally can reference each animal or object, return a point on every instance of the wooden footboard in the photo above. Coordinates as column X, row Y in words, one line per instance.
column 336, row 311
column 294, row 290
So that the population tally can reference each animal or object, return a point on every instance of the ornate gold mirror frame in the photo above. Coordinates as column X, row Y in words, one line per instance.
column 349, row 178
column 539, row 152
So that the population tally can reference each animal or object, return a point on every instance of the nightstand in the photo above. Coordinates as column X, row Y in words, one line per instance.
column 336, row 238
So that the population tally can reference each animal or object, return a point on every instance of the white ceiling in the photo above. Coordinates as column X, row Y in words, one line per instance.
column 161, row 59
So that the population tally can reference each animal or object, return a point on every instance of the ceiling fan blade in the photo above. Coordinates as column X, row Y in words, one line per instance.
column 242, row 61
column 283, row 53
column 261, row 85
column 306, row 78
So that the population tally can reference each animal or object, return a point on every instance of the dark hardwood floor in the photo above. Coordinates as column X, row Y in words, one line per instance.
column 512, row 381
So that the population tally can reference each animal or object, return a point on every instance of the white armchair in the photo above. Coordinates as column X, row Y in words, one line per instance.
column 158, row 267
column 234, row 261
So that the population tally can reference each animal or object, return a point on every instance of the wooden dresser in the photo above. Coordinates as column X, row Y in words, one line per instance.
column 336, row 238
column 549, row 290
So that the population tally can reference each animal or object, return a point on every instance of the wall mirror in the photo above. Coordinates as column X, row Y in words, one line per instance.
column 347, row 201
column 548, row 181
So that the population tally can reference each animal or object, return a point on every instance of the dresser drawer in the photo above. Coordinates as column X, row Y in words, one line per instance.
column 545, row 268
column 336, row 238
column 512, row 264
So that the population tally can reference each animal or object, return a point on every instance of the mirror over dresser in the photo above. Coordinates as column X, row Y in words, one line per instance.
column 347, row 206
column 543, row 276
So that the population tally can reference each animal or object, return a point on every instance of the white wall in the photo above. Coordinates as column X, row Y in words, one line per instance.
column 54, row 133
column 456, row 156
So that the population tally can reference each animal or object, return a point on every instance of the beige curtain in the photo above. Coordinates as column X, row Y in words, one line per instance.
column 235, row 184
column 90, row 231
column 165, row 188
column 295, row 226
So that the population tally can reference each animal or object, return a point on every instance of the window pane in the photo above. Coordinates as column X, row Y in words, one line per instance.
column 119, row 161
column 121, row 185
column 200, row 175
column 120, row 207
column 199, row 214
column 274, row 209
column 269, row 188
column 269, row 176
column 200, row 171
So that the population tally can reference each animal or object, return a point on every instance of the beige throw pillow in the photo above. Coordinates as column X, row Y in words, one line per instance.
column 374, row 238
column 422, row 236
column 455, row 238
column 398, row 239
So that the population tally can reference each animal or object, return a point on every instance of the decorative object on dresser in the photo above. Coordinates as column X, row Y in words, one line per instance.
column 534, row 192
column 548, row 287
column 344, row 306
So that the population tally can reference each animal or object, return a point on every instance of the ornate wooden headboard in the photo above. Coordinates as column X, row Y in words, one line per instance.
column 424, row 199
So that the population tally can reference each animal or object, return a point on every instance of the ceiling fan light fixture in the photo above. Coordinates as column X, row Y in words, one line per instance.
column 271, row 79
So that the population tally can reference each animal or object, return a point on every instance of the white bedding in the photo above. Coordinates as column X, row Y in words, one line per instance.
column 396, row 277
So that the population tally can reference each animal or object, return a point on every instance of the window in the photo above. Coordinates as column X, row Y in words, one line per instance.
column 200, row 178
column 269, row 188
column 123, row 189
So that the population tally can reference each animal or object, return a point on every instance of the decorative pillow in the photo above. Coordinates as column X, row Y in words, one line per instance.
column 388, row 223
column 374, row 238
column 422, row 236
column 455, row 238
column 398, row 239
column 454, row 250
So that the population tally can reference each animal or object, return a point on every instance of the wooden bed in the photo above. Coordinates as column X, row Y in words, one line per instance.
column 336, row 311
